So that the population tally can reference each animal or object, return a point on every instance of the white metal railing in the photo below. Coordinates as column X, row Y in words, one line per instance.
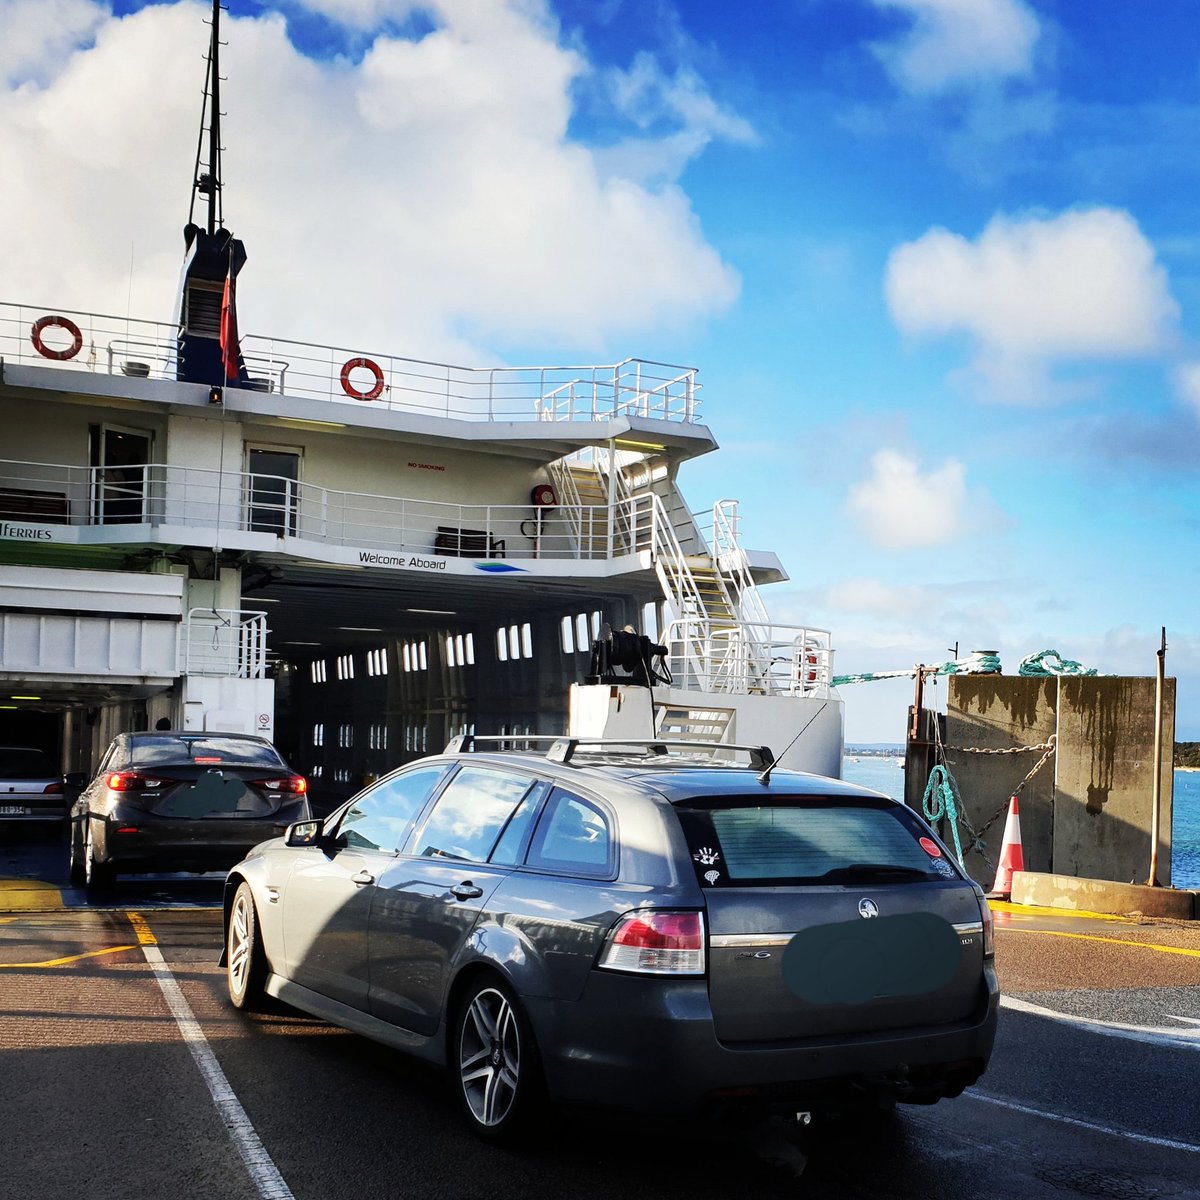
column 225, row 642
column 343, row 375
column 770, row 660
column 159, row 494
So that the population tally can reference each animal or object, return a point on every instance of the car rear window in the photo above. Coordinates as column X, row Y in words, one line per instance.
column 165, row 749
column 18, row 763
column 802, row 839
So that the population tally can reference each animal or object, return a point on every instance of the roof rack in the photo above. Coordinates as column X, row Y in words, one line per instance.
column 562, row 749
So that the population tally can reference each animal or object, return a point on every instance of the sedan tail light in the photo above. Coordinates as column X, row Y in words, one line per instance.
column 654, row 942
column 133, row 781
column 989, row 924
column 296, row 785
column 52, row 789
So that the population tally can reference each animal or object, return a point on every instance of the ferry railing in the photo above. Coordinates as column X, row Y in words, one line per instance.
column 158, row 494
column 345, row 375
column 106, row 344
column 227, row 642
column 750, row 658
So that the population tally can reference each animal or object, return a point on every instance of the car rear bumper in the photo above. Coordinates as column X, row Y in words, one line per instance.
column 649, row 1044
column 157, row 844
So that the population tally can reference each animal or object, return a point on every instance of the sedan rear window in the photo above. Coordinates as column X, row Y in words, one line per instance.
column 165, row 749
column 18, row 763
column 809, row 840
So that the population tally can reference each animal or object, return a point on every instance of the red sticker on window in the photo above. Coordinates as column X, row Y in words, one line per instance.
column 931, row 847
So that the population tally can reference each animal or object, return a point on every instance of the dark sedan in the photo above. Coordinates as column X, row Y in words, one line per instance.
column 181, row 802
column 628, row 928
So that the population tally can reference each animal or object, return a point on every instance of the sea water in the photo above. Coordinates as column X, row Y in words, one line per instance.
column 884, row 775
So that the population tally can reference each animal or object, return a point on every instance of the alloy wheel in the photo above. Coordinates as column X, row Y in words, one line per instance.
column 489, row 1057
column 240, row 943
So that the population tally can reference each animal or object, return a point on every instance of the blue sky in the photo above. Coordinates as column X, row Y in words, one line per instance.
column 937, row 261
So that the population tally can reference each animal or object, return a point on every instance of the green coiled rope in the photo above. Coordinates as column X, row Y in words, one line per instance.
column 941, row 799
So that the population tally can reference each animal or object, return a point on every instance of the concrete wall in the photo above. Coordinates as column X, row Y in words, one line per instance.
column 1105, row 778
column 1087, row 812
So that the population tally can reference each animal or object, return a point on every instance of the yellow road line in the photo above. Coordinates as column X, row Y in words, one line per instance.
column 142, row 929
column 1007, row 906
column 70, row 958
column 1088, row 937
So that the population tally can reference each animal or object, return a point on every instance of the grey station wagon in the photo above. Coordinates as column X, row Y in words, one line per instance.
column 617, row 924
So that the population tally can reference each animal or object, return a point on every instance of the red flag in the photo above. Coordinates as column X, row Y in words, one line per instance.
column 229, row 333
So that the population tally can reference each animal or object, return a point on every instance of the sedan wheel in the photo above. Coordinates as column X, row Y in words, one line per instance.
column 98, row 876
column 77, row 872
column 496, row 1061
column 246, row 963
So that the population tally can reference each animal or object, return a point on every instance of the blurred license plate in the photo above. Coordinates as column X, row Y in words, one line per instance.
column 14, row 810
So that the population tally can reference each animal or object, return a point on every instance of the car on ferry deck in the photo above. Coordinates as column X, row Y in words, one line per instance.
column 30, row 788
column 181, row 801
column 615, row 924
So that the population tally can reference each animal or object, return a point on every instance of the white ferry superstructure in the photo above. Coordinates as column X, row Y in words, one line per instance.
column 361, row 555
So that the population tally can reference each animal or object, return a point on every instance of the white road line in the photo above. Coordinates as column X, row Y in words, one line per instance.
column 1188, row 1147
column 1181, row 1039
column 263, row 1171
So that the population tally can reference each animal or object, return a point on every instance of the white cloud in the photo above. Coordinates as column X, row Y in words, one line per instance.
column 898, row 507
column 1084, row 284
column 426, row 201
column 956, row 42
column 38, row 33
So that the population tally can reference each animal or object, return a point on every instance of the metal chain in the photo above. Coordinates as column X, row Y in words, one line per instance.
column 1010, row 750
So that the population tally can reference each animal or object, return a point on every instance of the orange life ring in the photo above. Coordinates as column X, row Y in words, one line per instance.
column 371, row 366
column 44, row 323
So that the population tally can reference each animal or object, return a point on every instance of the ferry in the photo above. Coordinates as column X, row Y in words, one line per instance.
column 360, row 554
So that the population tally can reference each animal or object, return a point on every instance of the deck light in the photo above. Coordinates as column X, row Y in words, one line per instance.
column 215, row 396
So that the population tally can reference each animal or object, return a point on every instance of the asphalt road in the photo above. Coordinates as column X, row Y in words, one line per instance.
column 106, row 1090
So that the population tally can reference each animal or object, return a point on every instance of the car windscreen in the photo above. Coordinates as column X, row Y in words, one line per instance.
column 165, row 749
column 16, row 762
column 808, row 839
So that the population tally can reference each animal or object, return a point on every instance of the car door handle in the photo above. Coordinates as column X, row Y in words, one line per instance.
column 363, row 877
column 466, row 890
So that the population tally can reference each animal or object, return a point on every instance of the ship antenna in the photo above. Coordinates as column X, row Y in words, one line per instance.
column 208, row 182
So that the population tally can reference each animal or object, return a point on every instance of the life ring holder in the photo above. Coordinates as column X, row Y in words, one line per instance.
column 369, row 364
column 55, row 321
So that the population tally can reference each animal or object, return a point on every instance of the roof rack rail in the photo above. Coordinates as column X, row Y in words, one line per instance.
column 563, row 750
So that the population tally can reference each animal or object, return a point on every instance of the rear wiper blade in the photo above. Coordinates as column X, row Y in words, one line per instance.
column 874, row 870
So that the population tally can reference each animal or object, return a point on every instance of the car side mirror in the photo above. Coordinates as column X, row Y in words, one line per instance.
column 76, row 779
column 303, row 833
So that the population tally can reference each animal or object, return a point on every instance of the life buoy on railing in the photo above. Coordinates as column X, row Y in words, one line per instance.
column 48, row 322
column 367, row 364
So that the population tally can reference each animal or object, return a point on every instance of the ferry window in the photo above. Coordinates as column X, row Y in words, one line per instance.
column 471, row 813
column 566, row 636
column 650, row 621
column 345, row 666
column 526, row 640
column 345, row 736
column 514, row 642
column 469, row 649
column 318, row 735
column 377, row 661
column 502, row 645
column 381, row 817
column 318, row 670
column 582, row 641
column 596, row 619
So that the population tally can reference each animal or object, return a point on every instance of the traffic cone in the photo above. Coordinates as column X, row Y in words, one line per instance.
column 1012, row 857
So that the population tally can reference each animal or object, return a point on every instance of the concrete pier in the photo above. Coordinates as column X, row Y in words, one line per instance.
column 1087, row 812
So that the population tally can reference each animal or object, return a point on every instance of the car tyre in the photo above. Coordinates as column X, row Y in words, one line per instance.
column 497, row 1072
column 97, row 876
column 76, row 871
column 245, row 959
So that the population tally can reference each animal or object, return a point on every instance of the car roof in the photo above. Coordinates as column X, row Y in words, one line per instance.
column 674, row 780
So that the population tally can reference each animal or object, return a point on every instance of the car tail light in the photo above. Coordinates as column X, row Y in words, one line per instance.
column 133, row 781
column 297, row 785
column 52, row 789
column 989, row 924
column 652, row 942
